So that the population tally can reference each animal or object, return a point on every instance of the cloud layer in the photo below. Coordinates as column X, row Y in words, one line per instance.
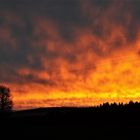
column 56, row 49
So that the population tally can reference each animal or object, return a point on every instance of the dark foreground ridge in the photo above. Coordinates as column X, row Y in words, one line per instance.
column 105, row 120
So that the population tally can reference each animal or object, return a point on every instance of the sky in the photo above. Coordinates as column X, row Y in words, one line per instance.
column 70, row 52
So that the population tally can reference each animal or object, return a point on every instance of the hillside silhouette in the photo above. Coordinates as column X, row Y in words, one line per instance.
column 101, row 121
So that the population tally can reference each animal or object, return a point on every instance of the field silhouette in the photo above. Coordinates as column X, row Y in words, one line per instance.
column 104, row 121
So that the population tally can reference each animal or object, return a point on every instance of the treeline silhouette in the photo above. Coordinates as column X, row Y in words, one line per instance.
column 106, row 113
column 108, row 118
column 117, row 107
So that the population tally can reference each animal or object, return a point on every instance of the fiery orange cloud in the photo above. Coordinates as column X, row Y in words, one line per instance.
column 74, row 62
column 114, row 78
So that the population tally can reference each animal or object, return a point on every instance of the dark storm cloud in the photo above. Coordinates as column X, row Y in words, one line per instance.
column 68, row 13
column 114, row 12
column 21, row 48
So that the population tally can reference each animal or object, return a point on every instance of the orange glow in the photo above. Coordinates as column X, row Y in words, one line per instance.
column 115, row 78
column 91, row 68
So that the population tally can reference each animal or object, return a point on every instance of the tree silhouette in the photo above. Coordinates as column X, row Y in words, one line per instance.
column 6, row 103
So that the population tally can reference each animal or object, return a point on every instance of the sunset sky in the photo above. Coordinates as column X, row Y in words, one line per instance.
column 70, row 52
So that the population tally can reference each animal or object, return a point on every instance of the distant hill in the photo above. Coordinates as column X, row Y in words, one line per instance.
column 102, row 114
column 120, row 118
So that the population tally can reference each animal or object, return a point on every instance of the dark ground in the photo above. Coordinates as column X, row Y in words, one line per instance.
column 117, row 122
